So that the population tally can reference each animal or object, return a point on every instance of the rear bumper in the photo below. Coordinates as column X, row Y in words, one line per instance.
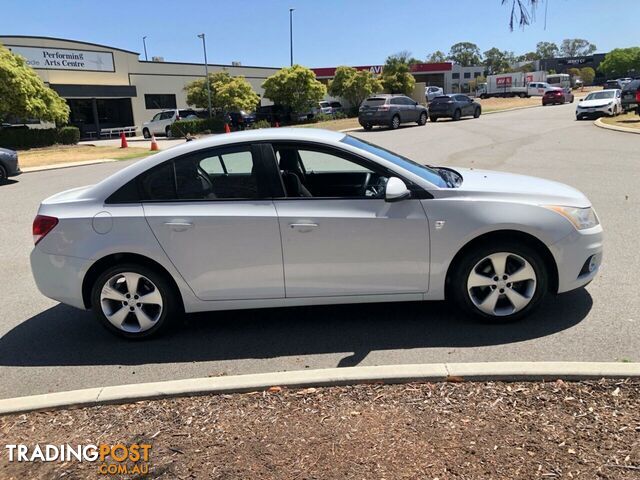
column 59, row 277
column 374, row 119
column 573, row 253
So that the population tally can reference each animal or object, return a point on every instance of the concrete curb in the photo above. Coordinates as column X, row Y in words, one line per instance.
column 437, row 372
column 601, row 124
column 66, row 165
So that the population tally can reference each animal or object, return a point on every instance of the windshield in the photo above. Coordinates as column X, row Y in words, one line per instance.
column 600, row 95
column 429, row 174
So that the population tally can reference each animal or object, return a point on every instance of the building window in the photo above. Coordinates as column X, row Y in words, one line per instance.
column 467, row 74
column 157, row 101
column 455, row 76
column 477, row 74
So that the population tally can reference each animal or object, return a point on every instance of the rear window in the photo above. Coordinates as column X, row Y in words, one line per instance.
column 374, row 102
column 441, row 99
column 633, row 85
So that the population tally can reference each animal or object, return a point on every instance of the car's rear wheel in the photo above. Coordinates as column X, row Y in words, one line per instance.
column 3, row 175
column 133, row 301
column 456, row 115
column 146, row 133
column 367, row 126
column 499, row 282
column 395, row 122
column 167, row 132
column 423, row 119
column 433, row 119
column 476, row 112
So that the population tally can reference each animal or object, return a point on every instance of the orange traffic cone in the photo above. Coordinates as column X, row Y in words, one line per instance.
column 154, row 144
column 226, row 128
column 123, row 140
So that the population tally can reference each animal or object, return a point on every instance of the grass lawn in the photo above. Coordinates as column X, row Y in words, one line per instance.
column 629, row 120
column 38, row 157
column 335, row 125
column 497, row 104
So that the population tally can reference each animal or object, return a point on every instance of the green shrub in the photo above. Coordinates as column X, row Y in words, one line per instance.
column 200, row 125
column 339, row 115
column 69, row 135
column 18, row 138
column 259, row 124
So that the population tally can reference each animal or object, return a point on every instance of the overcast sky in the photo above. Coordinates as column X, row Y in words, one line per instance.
column 326, row 32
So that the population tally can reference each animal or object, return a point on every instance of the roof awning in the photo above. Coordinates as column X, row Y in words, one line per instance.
column 95, row 91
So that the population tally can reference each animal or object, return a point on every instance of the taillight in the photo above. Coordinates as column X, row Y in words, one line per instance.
column 384, row 108
column 177, row 117
column 42, row 225
column 637, row 95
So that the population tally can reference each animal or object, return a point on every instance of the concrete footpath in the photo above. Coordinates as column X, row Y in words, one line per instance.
column 436, row 372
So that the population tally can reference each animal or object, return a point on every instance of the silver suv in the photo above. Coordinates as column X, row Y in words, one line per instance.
column 391, row 110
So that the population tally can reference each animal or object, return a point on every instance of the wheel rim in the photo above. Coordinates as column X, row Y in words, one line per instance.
column 501, row 284
column 131, row 302
column 3, row 174
column 423, row 118
column 396, row 122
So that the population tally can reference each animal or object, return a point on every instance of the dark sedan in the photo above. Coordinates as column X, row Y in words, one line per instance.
column 454, row 106
column 557, row 97
column 631, row 95
column 391, row 110
column 9, row 166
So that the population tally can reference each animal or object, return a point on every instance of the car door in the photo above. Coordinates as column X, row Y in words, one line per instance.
column 166, row 119
column 412, row 109
column 352, row 242
column 213, row 215
column 398, row 107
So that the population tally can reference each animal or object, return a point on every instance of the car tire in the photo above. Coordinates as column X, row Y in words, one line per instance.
column 423, row 119
column 522, row 95
column 456, row 115
column 109, row 293
column 474, row 289
column 395, row 122
column 145, row 133
column 433, row 119
column 4, row 177
column 367, row 126
column 167, row 132
column 477, row 112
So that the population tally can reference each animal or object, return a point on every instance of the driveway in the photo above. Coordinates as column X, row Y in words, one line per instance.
column 47, row 347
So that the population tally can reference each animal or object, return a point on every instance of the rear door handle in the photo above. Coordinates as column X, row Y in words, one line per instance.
column 179, row 226
column 303, row 227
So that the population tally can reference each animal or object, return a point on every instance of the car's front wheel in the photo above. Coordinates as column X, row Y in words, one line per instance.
column 423, row 119
column 133, row 301
column 146, row 133
column 500, row 282
column 476, row 112
column 3, row 175
column 456, row 115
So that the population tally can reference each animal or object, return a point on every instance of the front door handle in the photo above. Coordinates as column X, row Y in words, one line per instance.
column 303, row 227
column 179, row 226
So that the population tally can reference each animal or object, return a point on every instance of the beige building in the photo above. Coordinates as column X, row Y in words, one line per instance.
column 108, row 87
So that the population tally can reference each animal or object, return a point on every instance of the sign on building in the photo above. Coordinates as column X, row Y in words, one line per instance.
column 65, row 59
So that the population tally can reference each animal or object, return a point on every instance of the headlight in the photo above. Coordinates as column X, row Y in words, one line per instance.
column 581, row 218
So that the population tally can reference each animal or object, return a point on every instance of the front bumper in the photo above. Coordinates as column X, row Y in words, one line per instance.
column 59, row 277
column 593, row 111
column 573, row 253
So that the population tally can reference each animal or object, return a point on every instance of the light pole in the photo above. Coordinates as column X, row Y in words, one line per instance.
column 206, row 71
column 144, row 42
column 291, row 33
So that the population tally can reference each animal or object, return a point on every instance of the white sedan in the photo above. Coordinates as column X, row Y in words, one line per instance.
column 603, row 102
column 283, row 217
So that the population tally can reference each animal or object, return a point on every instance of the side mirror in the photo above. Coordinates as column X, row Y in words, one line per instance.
column 396, row 190
column 415, row 103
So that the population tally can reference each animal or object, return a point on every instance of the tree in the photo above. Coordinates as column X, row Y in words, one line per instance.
column 436, row 57
column 23, row 94
column 295, row 87
column 620, row 61
column 547, row 50
column 466, row 54
column 353, row 85
column 587, row 74
column 498, row 61
column 227, row 93
column 576, row 47
column 396, row 74
column 573, row 72
column 528, row 57
column 474, row 82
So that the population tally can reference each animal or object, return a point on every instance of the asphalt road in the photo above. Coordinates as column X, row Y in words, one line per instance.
column 46, row 347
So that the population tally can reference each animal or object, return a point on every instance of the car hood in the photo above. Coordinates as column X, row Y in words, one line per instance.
column 595, row 103
column 510, row 186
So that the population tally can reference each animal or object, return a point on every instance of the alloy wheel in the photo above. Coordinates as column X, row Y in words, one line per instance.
column 131, row 302
column 395, row 122
column 501, row 284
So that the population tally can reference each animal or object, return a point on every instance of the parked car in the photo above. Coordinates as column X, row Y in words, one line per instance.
column 391, row 110
column 240, row 119
column 630, row 96
column 603, row 102
column 227, row 222
column 623, row 81
column 336, row 107
column 455, row 106
column 325, row 107
column 557, row 96
column 538, row 89
column 280, row 114
column 161, row 122
column 9, row 165
column 433, row 92
column 612, row 85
